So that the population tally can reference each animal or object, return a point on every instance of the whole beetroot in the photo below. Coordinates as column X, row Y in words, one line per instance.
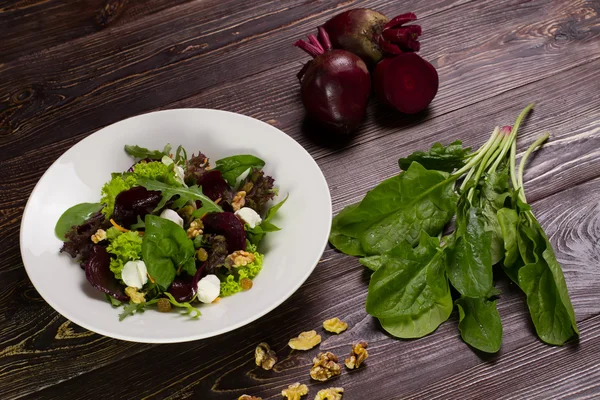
column 335, row 85
column 371, row 35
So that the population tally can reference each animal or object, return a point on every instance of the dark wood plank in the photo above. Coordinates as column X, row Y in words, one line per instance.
column 572, row 372
column 205, row 369
column 32, row 26
column 155, row 68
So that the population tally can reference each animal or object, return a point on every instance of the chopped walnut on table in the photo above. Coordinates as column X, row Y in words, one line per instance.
column 248, row 397
column 305, row 341
column 99, row 236
column 295, row 391
column 239, row 200
column 357, row 356
column 325, row 367
column 264, row 356
column 239, row 258
column 334, row 393
column 195, row 228
column 334, row 325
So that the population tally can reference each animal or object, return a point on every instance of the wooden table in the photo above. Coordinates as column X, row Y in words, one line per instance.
column 68, row 68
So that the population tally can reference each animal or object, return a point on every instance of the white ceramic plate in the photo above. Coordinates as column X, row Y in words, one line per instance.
column 78, row 175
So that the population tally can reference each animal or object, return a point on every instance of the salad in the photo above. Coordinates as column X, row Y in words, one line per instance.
column 173, row 231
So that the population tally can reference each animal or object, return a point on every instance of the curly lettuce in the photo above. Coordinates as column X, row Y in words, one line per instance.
column 155, row 170
column 125, row 247
column 110, row 190
column 231, row 283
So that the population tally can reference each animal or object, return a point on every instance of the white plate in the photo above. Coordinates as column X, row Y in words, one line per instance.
column 78, row 175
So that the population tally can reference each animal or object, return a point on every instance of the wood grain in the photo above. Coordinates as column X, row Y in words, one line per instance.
column 338, row 288
column 33, row 26
column 67, row 70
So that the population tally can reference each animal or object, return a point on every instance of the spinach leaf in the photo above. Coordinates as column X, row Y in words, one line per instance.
column 373, row 262
column 234, row 166
column 544, row 284
column 438, row 157
column 470, row 265
column 395, row 210
column 493, row 194
column 142, row 153
column 191, row 193
column 479, row 323
column 409, row 280
column 256, row 234
column 75, row 216
column 509, row 219
column 416, row 326
column 345, row 243
column 166, row 250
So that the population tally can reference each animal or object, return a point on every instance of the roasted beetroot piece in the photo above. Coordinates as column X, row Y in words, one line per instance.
column 335, row 85
column 406, row 82
column 78, row 242
column 137, row 201
column 228, row 225
column 183, row 289
column 98, row 273
column 213, row 185
column 371, row 35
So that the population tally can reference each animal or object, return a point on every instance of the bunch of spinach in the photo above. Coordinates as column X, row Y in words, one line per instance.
column 397, row 230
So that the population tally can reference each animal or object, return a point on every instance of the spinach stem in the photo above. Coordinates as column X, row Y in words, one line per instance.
column 530, row 150
column 513, row 135
column 513, row 162
column 498, row 139
column 475, row 160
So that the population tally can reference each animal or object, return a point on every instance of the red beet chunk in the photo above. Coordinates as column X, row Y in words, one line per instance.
column 406, row 82
column 137, row 201
column 213, row 185
column 183, row 289
column 98, row 273
column 228, row 225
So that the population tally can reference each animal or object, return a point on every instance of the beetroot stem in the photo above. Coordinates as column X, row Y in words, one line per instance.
column 324, row 38
column 309, row 48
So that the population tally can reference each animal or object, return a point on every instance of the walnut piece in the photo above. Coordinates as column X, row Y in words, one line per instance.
column 264, row 356
column 295, row 391
column 239, row 200
column 239, row 258
column 195, row 228
column 99, row 236
column 135, row 296
column 325, row 367
column 357, row 356
column 334, row 393
column 248, row 397
column 334, row 325
column 305, row 341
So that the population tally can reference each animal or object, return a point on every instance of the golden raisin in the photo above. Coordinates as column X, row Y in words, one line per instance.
column 202, row 254
column 246, row 283
column 163, row 305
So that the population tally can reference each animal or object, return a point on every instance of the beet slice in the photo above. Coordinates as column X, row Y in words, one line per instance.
column 228, row 225
column 183, row 289
column 98, row 273
column 137, row 201
column 213, row 185
column 406, row 82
